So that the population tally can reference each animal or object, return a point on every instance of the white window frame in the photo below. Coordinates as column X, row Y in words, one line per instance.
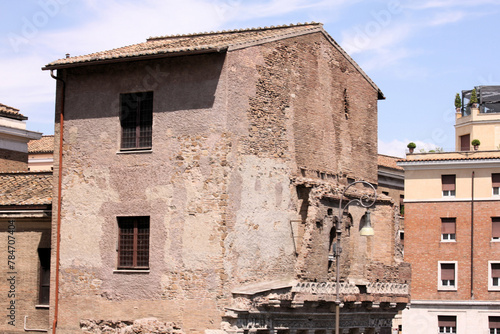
column 492, row 287
column 440, row 283
column 446, row 237
column 496, row 191
column 446, row 330
column 449, row 193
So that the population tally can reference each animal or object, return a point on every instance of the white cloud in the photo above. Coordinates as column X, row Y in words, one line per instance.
column 280, row 7
column 449, row 3
column 446, row 18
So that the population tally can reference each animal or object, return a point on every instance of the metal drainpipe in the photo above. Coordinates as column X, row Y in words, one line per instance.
column 59, row 197
column 472, row 240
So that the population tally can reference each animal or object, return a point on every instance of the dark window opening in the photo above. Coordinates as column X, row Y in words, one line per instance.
column 495, row 228
column 495, row 183
column 136, row 119
column 495, row 274
column 465, row 143
column 44, row 280
column 133, row 245
column 401, row 205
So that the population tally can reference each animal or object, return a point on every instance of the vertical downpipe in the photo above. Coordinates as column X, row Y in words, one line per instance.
column 59, row 199
column 472, row 240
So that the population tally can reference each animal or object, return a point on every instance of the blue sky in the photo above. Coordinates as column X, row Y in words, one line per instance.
column 420, row 53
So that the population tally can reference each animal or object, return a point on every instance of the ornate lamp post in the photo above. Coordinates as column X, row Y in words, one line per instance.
column 367, row 230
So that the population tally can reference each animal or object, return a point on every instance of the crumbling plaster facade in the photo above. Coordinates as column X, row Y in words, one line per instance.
column 250, row 150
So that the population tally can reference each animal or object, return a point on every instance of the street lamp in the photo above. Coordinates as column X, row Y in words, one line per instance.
column 367, row 230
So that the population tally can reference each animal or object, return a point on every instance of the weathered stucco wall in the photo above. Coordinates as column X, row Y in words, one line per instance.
column 230, row 132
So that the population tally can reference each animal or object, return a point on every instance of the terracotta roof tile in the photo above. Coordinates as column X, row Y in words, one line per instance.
column 26, row 188
column 389, row 161
column 11, row 112
column 221, row 40
column 42, row 145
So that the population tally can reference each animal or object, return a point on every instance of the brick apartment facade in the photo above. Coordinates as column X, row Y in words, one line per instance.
column 230, row 192
column 452, row 239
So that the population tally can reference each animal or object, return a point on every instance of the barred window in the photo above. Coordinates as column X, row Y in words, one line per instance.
column 133, row 244
column 136, row 119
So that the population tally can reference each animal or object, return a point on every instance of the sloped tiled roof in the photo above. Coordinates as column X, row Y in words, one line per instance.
column 389, row 161
column 11, row 112
column 220, row 41
column 215, row 41
column 42, row 145
column 26, row 188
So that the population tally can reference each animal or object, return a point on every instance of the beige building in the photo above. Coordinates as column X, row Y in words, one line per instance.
column 41, row 154
column 452, row 233
column 479, row 121
column 200, row 184
column 13, row 139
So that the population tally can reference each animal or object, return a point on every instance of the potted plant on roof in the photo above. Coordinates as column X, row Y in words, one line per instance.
column 458, row 103
column 473, row 99
column 411, row 146
column 476, row 143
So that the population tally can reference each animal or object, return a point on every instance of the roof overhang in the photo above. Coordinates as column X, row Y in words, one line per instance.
column 136, row 58
column 443, row 164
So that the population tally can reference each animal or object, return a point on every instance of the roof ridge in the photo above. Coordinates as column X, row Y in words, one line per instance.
column 232, row 31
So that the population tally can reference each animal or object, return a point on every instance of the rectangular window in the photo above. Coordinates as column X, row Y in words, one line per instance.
column 495, row 228
column 494, row 325
column 447, row 272
column 44, row 280
column 448, row 229
column 136, row 119
column 494, row 276
column 133, row 243
column 448, row 183
column 447, row 323
column 495, row 183
column 465, row 143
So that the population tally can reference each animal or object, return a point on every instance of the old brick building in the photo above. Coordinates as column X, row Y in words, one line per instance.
column 25, row 230
column 200, row 178
column 452, row 234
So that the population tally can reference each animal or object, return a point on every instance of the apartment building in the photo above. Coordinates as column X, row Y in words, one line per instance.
column 452, row 230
